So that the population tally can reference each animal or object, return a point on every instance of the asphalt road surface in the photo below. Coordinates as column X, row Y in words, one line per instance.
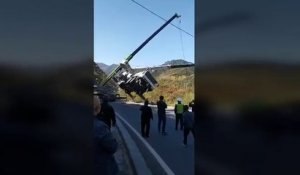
column 169, row 149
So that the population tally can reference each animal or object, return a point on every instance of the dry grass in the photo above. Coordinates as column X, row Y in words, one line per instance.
column 241, row 86
column 173, row 83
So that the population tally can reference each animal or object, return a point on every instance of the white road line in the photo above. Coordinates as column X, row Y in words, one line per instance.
column 154, row 153
column 136, row 156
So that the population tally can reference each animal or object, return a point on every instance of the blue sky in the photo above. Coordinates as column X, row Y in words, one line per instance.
column 244, row 31
column 120, row 26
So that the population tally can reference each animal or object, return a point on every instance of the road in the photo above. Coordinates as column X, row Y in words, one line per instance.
column 169, row 148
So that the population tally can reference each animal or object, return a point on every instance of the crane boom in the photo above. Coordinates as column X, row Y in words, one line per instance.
column 113, row 73
column 151, row 37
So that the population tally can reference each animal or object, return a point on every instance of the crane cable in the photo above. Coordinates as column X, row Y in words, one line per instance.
column 181, row 40
column 161, row 18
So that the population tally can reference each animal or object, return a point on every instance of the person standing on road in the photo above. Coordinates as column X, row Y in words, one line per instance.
column 178, row 113
column 188, row 124
column 105, row 145
column 146, row 115
column 192, row 104
column 107, row 114
column 161, row 112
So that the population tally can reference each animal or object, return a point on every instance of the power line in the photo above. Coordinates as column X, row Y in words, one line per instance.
column 161, row 17
column 181, row 41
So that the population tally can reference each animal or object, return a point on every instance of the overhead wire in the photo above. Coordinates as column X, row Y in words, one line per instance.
column 161, row 17
column 181, row 41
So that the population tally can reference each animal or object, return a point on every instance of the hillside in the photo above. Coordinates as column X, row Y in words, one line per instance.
column 107, row 68
column 100, row 75
column 236, row 84
column 173, row 83
column 176, row 62
column 228, row 84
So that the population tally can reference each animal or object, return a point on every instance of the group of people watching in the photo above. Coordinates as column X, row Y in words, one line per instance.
column 182, row 116
column 105, row 145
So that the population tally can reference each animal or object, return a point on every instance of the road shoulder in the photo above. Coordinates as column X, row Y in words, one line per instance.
column 132, row 153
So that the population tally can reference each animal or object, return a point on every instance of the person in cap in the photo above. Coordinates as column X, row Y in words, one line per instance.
column 146, row 115
column 178, row 114
column 161, row 112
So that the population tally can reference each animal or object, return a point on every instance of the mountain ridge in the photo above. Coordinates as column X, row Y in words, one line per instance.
column 176, row 62
column 108, row 68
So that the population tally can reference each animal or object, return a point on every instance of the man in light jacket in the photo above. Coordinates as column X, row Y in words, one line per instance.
column 178, row 110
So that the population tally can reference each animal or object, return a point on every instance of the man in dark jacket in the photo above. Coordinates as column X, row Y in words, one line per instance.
column 188, row 123
column 107, row 114
column 146, row 115
column 161, row 112
column 105, row 145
